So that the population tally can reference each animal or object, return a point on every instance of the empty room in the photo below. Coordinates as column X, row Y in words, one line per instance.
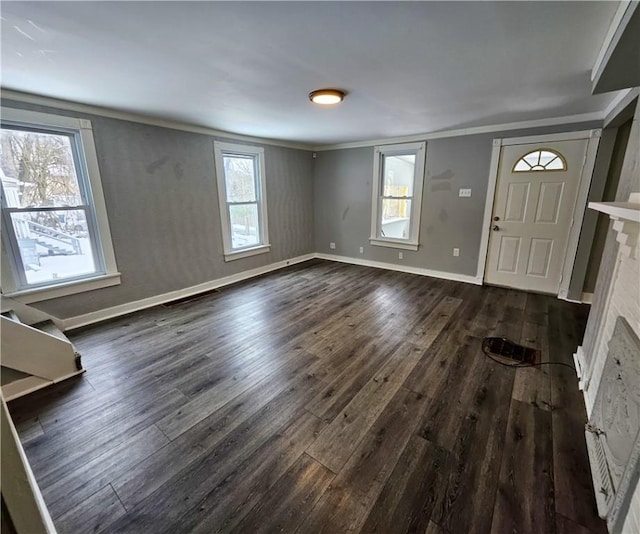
column 299, row 267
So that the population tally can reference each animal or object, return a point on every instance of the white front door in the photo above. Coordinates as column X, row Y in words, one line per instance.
column 532, row 214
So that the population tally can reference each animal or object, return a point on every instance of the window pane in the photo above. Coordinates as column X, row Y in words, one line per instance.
column 398, row 173
column 396, row 215
column 555, row 164
column 54, row 245
column 239, row 173
column 245, row 230
column 38, row 169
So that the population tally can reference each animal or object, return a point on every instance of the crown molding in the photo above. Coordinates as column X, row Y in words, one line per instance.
column 492, row 128
column 30, row 98
column 625, row 9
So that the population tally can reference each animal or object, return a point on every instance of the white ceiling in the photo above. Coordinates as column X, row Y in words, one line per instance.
column 247, row 68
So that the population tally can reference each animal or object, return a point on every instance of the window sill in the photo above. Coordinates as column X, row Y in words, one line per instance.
column 405, row 245
column 245, row 253
column 37, row 294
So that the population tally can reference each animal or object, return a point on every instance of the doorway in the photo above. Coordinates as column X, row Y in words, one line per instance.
column 540, row 186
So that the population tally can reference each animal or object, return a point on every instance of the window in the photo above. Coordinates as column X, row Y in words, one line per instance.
column 243, row 205
column 54, row 227
column 398, row 173
column 541, row 160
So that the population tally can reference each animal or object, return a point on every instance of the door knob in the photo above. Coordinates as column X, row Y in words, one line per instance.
column 496, row 228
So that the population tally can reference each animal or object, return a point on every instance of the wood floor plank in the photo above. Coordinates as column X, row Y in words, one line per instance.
column 88, row 478
column 453, row 391
column 533, row 384
column 226, row 505
column 345, row 505
column 94, row 514
column 29, row 429
column 412, row 491
column 525, row 498
column 249, row 418
column 212, row 399
column 566, row 526
column 341, row 437
column 425, row 333
column 336, row 443
column 365, row 361
column 472, row 484
column 572, row 473
column 290, row 500
column 51, row 459
column 195, row 413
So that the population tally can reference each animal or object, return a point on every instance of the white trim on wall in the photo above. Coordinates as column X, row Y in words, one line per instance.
column 256, row 153
column 578, row 212
column 138, row 305
column 488, row 207
column 67, row 105
column 469, row 279
column 579, row 208
column 461, row 132
column 617, row 26
column 619, row 103
column 30, row 98
column 130, row 307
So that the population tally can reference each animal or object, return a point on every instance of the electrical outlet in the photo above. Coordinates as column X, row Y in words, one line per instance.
column 464, row 192
column 361, row 250
column 456, row 251
column 400, row 255
column 332, row 245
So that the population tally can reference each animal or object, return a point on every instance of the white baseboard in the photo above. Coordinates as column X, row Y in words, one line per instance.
column 403, row 268
column 129, row 307
column 587, row 298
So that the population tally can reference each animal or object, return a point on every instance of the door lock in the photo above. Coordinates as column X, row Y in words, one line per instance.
column 496, row 218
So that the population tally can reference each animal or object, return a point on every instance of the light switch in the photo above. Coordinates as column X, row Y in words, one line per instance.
column 464, row 192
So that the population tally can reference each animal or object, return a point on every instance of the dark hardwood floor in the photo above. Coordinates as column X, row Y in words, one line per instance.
column 321, row 398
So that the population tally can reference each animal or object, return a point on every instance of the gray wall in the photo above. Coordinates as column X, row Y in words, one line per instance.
column 608, row 195
column 162, row 202
column 342, row 201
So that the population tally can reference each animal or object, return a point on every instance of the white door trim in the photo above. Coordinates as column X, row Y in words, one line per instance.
column 579, row 207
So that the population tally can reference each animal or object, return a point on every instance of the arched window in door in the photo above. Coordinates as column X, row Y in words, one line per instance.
column 543, row 159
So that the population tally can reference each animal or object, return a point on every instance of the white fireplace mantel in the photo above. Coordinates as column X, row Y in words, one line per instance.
column 619, row 210
column 608, row 376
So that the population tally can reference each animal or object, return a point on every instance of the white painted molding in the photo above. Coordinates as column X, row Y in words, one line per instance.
column 617, row 26
column 20, row 491
column 619, row 103
column 130, row 307
column 618, row 210
column 67, row 105
column 587, row 298
column 402, row 268
column 488, row 208
column 30, row 98
column 546, row 138
column 461, row 132
column 579, row 209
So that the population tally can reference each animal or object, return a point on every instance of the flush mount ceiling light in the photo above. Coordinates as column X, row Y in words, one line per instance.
column 326, row 97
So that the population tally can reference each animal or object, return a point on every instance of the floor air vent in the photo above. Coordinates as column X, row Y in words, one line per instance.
column 509, row 352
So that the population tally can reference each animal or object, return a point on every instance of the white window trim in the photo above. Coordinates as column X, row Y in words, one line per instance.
column 420, row 150
column 229, row 253
column 111, row 275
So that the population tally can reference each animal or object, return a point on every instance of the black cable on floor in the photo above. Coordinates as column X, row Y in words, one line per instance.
column 520, row 365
